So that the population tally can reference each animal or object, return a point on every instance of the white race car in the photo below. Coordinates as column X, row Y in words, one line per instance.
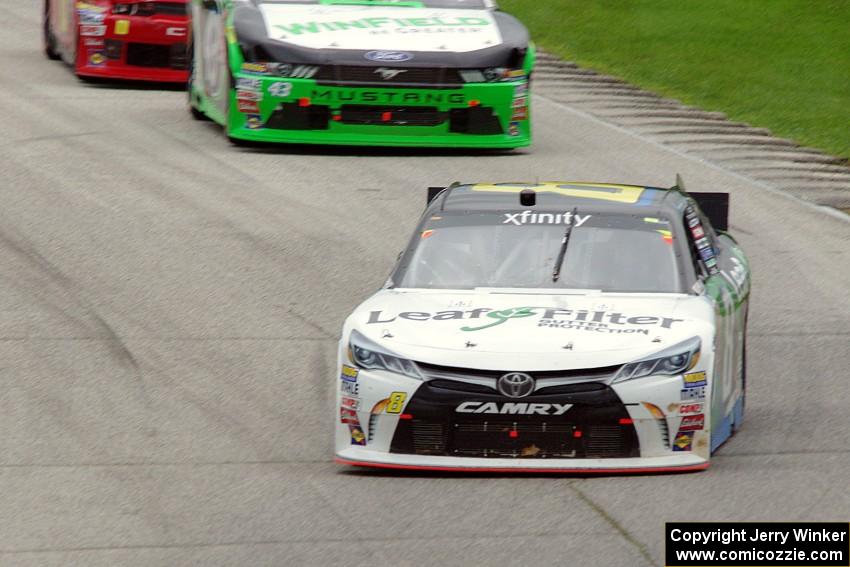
column 562, row 327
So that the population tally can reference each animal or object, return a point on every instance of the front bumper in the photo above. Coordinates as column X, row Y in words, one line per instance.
column 650, row 424
column 272, row 109
column 151, row 48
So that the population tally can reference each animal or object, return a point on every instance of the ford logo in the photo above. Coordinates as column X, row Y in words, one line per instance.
column 389, row 56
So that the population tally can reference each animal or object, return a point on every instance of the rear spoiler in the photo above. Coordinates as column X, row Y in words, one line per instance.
column 715, row 206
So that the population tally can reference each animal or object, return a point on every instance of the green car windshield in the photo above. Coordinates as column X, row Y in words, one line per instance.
column 611, row 253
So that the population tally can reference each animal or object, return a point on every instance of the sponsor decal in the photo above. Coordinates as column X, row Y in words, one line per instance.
column 379, row 408
column 685, row 409
column 513, row 129
column 683, row 441
column 248, row 106
column 122, row 27
column 529, row 217
column 349, row 388
column 381, row 30
column 597, row 321
column 693, row 394
column 249, row 84
column 520, row 89
column 97, row 59
column 702, row 243
column 357, row 436
column 280, row 89
column 253, row 121
column 388, row 56
column 349, row 373
column 696, row 394
column 88, row 6
column 324, row 96
column 520, row 102
column 692, row 423
column 706, row 254
column 255, row 68
column 87, row 17
column 350, row 403
column 694, row 379
column 175, row 32
column 520, row 113
column 93, row 42
column 90, row 13
column 249, row 95
column 97, row 31
column 530, row 451
column 698, row 232
column 511, row 408
column 398, row 24
column 347, row 415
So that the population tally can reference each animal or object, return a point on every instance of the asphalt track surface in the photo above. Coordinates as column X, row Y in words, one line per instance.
column 170, row 305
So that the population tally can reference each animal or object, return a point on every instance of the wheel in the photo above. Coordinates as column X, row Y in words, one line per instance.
column 739, row 417
column 49, row 38
column 190, row 89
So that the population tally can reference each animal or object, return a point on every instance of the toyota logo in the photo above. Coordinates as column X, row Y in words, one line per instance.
column 515, row 385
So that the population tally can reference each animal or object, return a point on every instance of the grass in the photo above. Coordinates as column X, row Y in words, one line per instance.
column 777, row 64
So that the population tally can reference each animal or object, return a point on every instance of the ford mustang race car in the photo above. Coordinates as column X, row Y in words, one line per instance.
column 119, row 39
column 566, row 327
column 361, row 72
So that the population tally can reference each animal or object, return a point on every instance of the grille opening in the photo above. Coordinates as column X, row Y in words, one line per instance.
column 392, row 115
column 155, row 55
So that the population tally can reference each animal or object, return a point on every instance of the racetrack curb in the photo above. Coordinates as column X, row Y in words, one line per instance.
column 778, row 163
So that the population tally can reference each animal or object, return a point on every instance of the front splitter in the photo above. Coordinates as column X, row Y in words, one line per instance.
column 687, row 462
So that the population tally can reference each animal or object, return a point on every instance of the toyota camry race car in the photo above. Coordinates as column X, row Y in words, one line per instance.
column 567, row 327
column 142, row 40
column 360, row 72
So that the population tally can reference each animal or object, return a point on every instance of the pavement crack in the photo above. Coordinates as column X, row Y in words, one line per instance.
column 641, row 548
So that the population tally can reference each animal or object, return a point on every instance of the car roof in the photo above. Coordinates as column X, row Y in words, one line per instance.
column 560, row 195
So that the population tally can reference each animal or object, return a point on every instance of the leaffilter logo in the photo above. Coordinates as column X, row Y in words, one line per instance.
column 503, row 315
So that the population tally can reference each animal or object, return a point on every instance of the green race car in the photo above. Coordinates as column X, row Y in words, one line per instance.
column 450, row 73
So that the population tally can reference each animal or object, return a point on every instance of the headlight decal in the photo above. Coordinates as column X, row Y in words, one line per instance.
column 366, row 354
column 674, row 360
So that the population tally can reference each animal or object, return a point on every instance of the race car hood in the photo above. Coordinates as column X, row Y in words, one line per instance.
column 344, row 34
column 524, row 331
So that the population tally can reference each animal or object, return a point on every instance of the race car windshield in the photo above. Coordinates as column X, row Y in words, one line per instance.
column 468, row 4
column 611, row 253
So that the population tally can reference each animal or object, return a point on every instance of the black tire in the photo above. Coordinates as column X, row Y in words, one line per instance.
column 49, row 39
column 190, row 86
column 736, row 426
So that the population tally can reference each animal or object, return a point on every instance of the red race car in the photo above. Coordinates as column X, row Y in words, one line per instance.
column 119, row 39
